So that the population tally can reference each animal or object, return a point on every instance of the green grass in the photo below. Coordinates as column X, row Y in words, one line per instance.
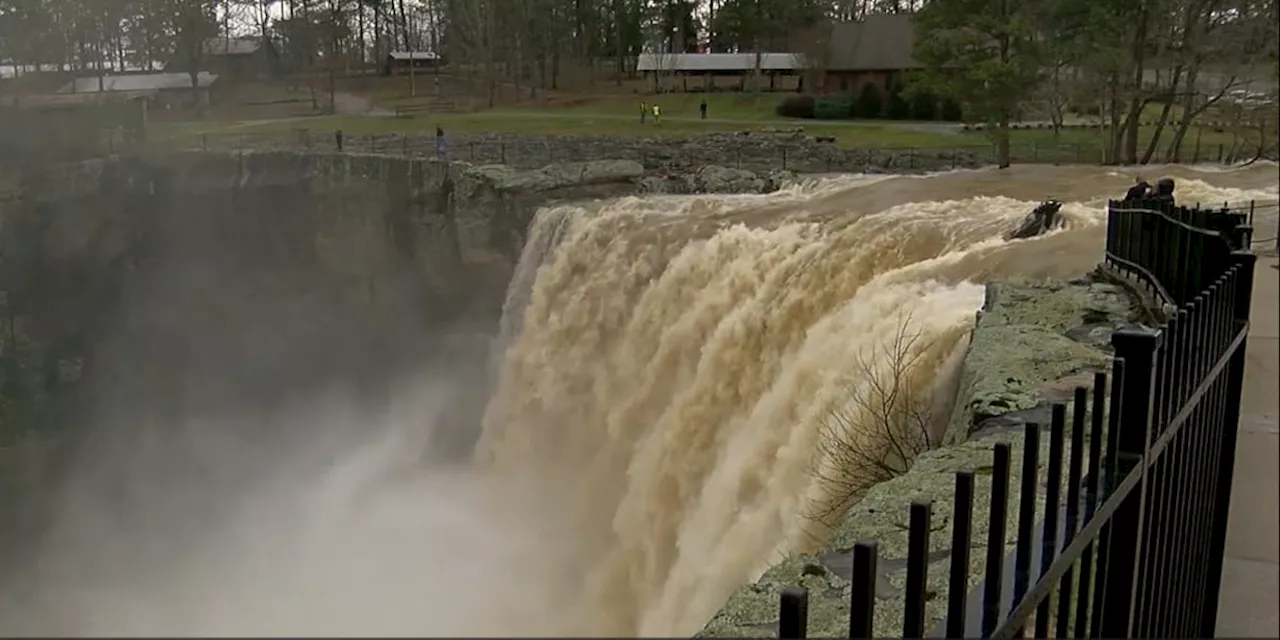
column 727, row 112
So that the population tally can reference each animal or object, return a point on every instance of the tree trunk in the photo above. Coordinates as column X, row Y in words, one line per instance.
column 1133, row 120
column 1174, row 152
column 1164, row 116
column 360, row 36
column 1003, row 154
column 404, row 27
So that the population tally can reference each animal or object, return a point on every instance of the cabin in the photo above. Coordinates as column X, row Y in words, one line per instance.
column 402, row 61
column 699, row 71
column 239, row 58
column 163, row 91
column 875, row 50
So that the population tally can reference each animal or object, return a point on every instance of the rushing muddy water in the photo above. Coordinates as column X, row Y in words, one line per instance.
column 667, row 371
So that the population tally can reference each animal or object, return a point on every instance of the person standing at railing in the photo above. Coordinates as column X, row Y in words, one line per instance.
column 1163, row 193
column 1141, row 190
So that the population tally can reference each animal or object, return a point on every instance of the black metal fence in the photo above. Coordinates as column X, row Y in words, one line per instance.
column 1134, row 548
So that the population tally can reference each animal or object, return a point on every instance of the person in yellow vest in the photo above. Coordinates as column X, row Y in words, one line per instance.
column 657, row 115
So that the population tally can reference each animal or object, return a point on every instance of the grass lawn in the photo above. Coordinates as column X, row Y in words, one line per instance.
column 727, row 112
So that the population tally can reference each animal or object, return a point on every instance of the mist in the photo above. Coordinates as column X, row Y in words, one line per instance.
column 253, row 447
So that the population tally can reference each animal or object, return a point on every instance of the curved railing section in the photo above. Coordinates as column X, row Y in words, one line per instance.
column 1175, row 252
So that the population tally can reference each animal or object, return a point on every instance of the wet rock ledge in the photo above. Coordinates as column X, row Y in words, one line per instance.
column 1032, row 344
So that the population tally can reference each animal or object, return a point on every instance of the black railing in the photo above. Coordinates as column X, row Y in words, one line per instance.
column 1174, row 251
column 1134, row 548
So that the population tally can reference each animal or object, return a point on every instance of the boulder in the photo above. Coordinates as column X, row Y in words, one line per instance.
column 1041, row 220
column 716, row 179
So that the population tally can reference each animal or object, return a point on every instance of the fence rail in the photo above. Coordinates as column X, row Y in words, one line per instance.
column 755, row 152
column 1131, row 544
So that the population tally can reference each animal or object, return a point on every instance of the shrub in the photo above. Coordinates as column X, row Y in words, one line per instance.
column 869, row 103
column 796, row 107
column 950, row 111
column 897, row 107
column 837, row 106
column 924, row 106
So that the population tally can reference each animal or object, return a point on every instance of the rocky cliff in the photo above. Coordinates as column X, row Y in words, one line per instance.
column 224, row 286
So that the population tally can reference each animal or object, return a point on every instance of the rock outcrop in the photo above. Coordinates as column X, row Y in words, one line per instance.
column 717, row 179
column 1032, row 345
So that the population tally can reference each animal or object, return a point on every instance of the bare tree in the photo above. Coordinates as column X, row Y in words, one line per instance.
column 888, row 421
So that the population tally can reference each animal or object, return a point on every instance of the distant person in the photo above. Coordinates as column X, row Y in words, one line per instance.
column 439, row 141
column 1164, row 191
column 702, row 108
column 1141, row 190
column 657, row 114
column 644, row 111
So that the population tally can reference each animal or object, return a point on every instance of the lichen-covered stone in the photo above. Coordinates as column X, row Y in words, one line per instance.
column 1030, row 335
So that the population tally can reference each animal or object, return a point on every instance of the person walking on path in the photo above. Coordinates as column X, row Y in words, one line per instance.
column 644, row 111
column 702, row 108
column 657, row 115
column 439, row 141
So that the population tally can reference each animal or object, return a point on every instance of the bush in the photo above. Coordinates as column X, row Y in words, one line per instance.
column 833, row 107
column 897, row 107
column 924, row 106
column 869, row 103
column 950, row 111
column 796, row 107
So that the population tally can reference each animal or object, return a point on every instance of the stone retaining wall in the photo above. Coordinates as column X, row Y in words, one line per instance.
column 758, row 151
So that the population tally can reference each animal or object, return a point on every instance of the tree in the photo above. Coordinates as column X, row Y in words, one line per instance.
column 191, row 23
column 889, row 421
column 982, row 54
column 870, row 103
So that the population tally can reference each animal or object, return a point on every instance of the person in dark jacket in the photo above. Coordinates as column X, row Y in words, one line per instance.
column 1140, row 190
column 1163, row 192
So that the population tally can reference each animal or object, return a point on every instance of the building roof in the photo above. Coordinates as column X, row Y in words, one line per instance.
column 224, row 46
column 876, row 43
column 140, row 82
column 695, row 62
column 414, row 55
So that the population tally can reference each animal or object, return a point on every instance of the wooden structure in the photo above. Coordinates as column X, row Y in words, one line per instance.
column 875, row 50
column 70, row 126
column 702, row 68
column 240, row 57
column 163, row 91
column 404, row 61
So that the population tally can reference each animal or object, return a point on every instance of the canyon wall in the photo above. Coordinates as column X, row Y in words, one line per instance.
column 157, row 290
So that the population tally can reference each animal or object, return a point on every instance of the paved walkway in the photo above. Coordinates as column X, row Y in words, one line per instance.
column 1250, row 601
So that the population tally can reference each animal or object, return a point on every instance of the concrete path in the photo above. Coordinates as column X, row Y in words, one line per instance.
column 1250, row 600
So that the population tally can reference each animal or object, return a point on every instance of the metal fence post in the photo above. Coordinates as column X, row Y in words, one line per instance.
column 1137, row 347
column 1244, row 262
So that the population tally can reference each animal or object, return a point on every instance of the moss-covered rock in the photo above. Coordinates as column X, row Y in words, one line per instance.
column 1028, row 338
